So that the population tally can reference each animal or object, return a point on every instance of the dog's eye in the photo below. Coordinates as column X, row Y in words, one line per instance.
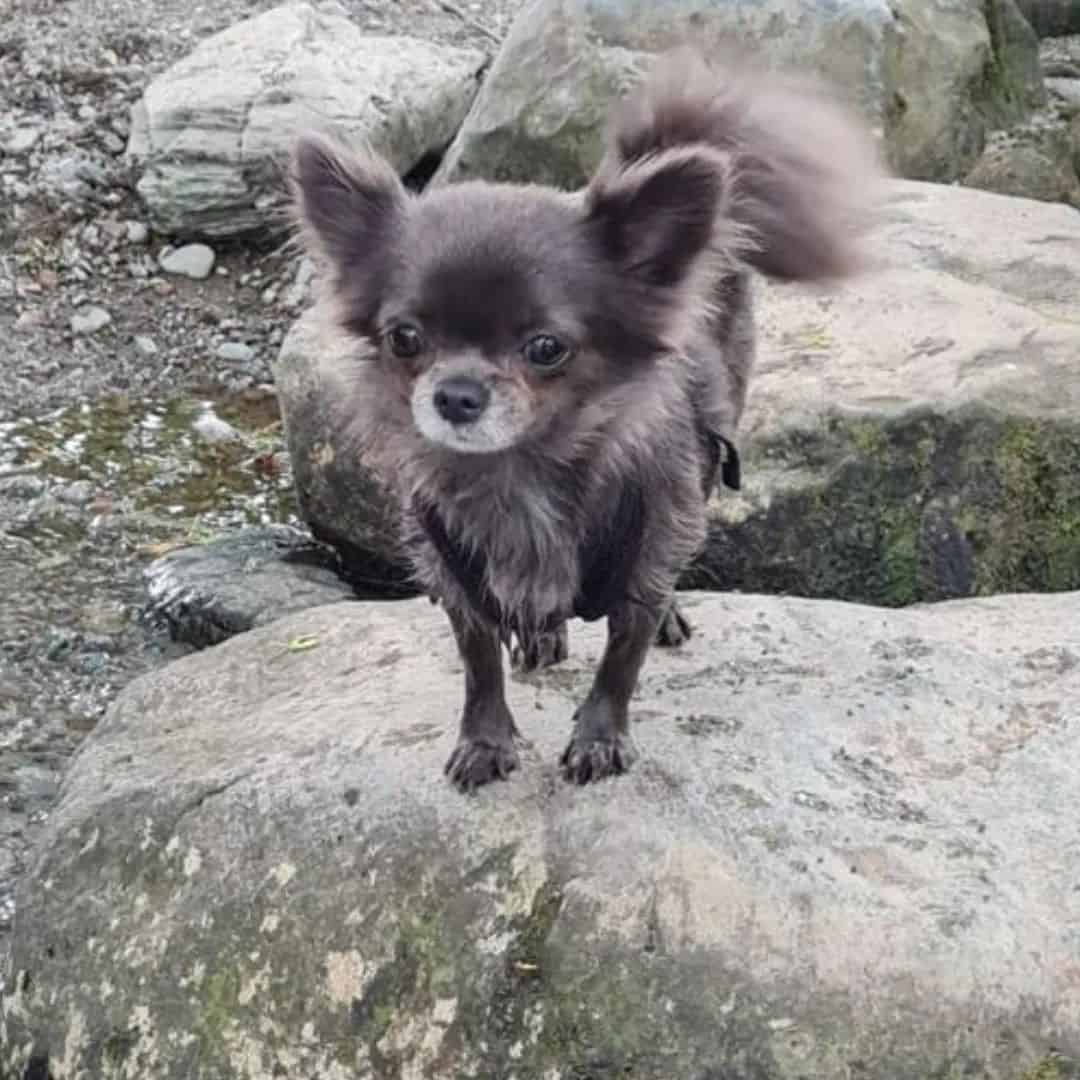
column 545, row 352
column 405, row 341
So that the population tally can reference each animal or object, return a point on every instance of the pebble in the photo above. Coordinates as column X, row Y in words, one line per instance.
column 21, row 141
column 146, row 345
column 77, row 493
column 1066, row 89
column 75, row 175
column 192, row 260
column 215, row 430
column 90, row 320
column 137, row 232
column 235, row 352
column 30, row 319
column 21, row 486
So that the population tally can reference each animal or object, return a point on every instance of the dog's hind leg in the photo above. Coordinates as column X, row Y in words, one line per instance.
column 674, row 629
column 535, row 650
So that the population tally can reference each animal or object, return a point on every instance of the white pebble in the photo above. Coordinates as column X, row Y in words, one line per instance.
column 90, row 320
column 236, row 352
column 215, row 430
column 192, row 261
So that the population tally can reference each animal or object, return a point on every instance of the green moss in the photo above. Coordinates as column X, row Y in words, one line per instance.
column 919, row 507
column 1053, row 1067
column 220, row 993
column 1000, row 90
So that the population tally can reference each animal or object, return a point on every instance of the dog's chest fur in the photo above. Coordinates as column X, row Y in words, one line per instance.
column 526, row 551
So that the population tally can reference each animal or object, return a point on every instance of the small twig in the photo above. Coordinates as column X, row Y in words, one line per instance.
column 465, row 17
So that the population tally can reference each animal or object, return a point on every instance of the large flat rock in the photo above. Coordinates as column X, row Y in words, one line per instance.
column 211, row 135
column 911, row 435
column 846, row 850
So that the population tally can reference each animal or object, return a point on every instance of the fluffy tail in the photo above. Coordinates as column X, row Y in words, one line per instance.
column 804, row 170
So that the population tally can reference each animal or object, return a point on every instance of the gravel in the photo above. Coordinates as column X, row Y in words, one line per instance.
column 108, row 363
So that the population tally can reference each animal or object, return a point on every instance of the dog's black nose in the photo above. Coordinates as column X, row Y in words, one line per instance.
column 461, row 400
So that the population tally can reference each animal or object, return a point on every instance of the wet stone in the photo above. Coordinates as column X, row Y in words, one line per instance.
column 209, row 592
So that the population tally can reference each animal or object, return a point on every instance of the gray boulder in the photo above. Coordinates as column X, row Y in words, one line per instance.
column 932, row 75
column 341, row 501
column 1033, row 160
column 843, row 852
column 210, row 135
column 207, row 592
column 913, row 435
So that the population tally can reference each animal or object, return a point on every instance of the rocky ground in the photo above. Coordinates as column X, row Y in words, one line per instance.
column 135, row 405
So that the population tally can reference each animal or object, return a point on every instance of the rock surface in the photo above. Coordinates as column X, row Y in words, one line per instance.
column 842, row 852
column 910, row 436
column 211, row 134
column 933, row 75
column 209, row 592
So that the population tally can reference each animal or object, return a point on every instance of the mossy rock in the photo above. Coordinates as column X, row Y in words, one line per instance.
column 920, row 507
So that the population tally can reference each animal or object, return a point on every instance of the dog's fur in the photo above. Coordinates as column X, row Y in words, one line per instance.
column 579, row 491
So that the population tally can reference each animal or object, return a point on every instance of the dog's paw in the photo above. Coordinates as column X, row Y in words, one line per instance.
column 587, row 759
column 674, row 629
column 536, row 651
column 476, row 762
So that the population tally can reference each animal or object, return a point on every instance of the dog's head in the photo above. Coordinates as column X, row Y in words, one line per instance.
column 498, row 313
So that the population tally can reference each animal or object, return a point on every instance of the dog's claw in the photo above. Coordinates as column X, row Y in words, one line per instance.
column 674, row 629
column 585, row 761
column 475, row 762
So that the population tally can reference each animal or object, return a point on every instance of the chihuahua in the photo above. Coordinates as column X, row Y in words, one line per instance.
column 551, row 382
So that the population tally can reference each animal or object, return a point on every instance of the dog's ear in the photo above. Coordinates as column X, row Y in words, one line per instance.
column 656, row 218
column 351, row 206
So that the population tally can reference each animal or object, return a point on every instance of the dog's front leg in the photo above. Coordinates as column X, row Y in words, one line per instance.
column 485, row 750
column 601, row 745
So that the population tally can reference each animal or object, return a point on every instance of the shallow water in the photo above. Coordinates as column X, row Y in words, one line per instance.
column 89, row 495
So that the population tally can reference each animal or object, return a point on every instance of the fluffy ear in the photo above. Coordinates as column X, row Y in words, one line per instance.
column 351, row 207
column 655, row 219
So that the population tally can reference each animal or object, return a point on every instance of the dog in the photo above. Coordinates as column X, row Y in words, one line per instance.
column 551, row 382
